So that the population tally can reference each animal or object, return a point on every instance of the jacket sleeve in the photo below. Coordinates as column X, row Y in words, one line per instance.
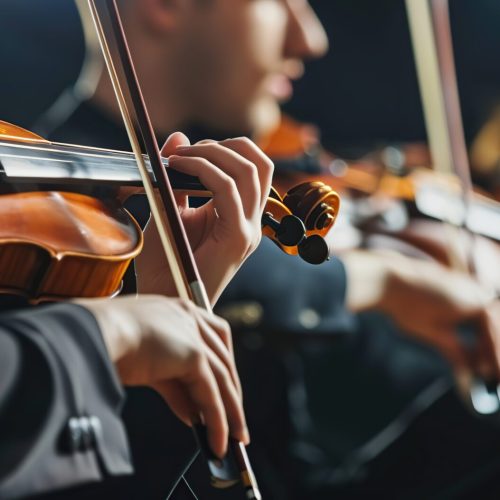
column 279, row 293
column 60, row 402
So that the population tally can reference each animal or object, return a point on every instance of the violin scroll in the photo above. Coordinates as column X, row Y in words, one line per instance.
column 300, row 220
column 315, row 203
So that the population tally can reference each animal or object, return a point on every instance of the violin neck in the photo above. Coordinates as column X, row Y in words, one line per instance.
column 64, row 164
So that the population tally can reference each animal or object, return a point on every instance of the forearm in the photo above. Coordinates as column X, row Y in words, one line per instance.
column 385, row 280
column 421, row 296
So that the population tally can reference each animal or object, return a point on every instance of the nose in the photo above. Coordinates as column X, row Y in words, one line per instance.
column 306, row 37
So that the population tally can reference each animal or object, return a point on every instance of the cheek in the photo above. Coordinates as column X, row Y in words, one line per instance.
column 245, row 44
column 266, row 25
column 233, row 59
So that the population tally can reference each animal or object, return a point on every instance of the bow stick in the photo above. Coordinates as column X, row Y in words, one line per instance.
column 433, row 49
column 173, row 237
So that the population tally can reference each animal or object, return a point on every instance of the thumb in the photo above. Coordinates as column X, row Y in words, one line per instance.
column 174, row 140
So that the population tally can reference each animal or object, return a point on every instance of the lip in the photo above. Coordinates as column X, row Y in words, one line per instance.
column 280, row 87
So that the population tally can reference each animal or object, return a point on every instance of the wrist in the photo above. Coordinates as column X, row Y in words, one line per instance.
column 118, row 329
column 217, row 277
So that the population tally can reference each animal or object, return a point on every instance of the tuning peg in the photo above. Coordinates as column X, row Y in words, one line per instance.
column 314, row 249
column 289, row 232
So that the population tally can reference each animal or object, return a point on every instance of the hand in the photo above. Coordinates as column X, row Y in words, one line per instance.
column 224, row 231
column 429, row 301
column 488, row 352
column 181, row 351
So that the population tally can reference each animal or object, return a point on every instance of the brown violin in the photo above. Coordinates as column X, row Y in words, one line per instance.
column 400, row 211
column 56, row 244
column 392, row 173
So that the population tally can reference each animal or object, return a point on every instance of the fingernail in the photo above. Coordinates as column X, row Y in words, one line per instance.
column 181, row 148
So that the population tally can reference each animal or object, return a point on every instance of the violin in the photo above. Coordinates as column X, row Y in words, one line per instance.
column 390, row 202
column 403, row 174
column 70, row 244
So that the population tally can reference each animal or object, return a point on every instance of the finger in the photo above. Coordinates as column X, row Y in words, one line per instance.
column 493, row 328
column 248, row 149
column 230, row 398
column 217, row 340
column 206, row 141
column 173, row 142
column 488, row 352
column 226, row 199
column 220, row 325
column 242, row 170
column 203, row 390
column 182, row 201
column 476, row 343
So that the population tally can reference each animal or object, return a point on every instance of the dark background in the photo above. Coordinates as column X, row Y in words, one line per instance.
column 364, row 92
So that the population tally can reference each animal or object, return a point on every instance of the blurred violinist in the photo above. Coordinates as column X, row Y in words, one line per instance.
column 210, row 67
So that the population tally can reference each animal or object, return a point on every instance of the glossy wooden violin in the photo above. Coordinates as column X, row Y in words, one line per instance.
column 403, row 174
column 90, row 242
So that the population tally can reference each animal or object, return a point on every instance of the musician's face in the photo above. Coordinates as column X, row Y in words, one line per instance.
column 240, row 56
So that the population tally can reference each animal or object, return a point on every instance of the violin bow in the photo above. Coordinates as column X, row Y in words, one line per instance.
column 106, row 17
column 431, row 36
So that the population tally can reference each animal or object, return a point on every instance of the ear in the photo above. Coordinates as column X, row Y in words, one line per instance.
column 159, row 15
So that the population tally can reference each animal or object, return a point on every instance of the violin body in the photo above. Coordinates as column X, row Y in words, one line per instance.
column 56, row 245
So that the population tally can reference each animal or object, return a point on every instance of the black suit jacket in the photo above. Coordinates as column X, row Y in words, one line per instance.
column 60, row 402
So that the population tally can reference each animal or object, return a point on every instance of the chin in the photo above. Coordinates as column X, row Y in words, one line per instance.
column 257, row 120
column 264, row 117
